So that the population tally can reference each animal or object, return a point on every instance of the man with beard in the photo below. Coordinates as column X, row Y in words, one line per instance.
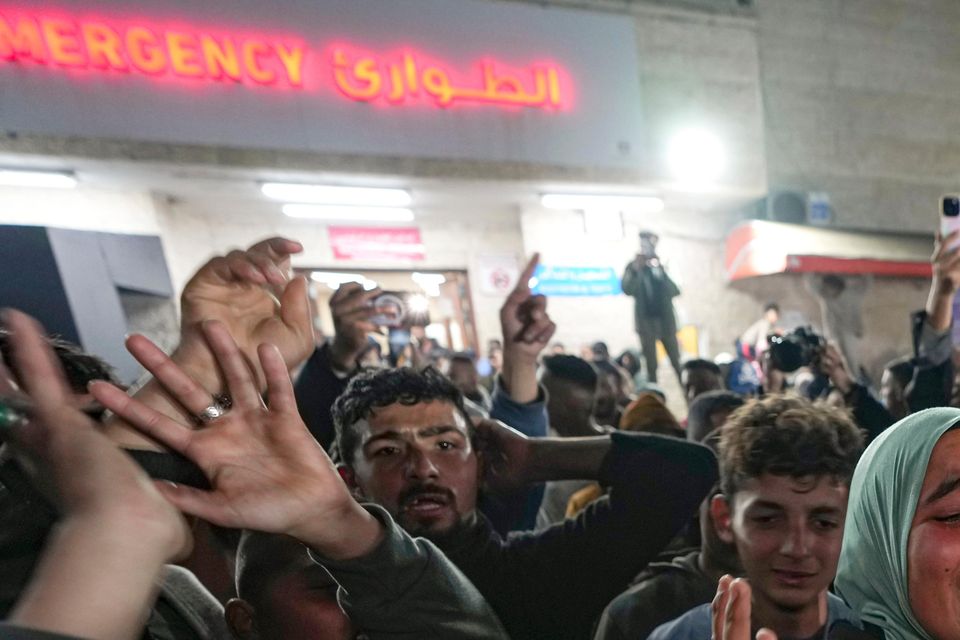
column 408, row 445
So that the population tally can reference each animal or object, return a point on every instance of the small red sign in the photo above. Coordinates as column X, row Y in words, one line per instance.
column 501, row 280
column 384, row 244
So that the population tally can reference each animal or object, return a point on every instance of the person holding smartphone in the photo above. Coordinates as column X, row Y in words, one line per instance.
column 646, row 280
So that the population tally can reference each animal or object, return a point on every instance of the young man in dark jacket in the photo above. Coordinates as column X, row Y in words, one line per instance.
column 408, row 445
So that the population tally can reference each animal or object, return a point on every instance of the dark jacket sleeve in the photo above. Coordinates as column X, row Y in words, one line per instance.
column 25, row 522
column 932, row 380
column 529, row 419
column 316, row 389
column 672, row 289
column 516, row 511
column 407, row 589
column 9, row 632
column 868, row 412
column 630, row 283
column 565, row 575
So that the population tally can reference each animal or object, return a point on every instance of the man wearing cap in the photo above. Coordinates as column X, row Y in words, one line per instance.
column 653, row 291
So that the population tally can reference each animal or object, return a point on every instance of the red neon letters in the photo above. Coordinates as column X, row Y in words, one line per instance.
column 151, row 51
column 154, row 51
column 367, row 78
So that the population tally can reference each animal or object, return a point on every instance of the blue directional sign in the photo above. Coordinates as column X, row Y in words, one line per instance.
column 576, row 281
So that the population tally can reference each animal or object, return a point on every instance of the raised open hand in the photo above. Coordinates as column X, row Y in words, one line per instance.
column 252, row 293
column 80, row 470
column 266, row 471
column 731, row 610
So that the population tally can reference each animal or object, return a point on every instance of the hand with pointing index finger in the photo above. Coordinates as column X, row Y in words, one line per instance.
column 523, row 317
column 526, row 331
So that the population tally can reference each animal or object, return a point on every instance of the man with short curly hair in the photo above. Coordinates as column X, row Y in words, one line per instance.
column 408, row 445
column 785, row 470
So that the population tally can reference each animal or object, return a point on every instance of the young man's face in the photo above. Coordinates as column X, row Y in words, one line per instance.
column 417, row 462
column 788, row 533
column 298, row 602
column 605, row 400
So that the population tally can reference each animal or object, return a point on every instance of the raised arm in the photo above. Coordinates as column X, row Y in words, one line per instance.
column 253, row 294
column 98, row 573
column 268, row 474
column 527, row 329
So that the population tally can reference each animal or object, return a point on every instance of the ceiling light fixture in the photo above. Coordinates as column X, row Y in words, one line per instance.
column 348, row 213
column 600, row 202
column 37, row 179
column 429, row 282
column 334, row 279
column 336, row 195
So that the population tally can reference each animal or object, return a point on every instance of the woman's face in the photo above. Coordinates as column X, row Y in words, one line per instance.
column 933, row 550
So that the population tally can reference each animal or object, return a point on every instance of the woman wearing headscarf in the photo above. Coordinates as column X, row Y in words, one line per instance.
column 899, row 569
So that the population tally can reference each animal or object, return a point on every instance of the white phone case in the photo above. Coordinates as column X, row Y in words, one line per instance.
column 947, row 226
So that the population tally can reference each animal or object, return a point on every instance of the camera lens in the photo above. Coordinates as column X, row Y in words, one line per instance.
column 951, row 206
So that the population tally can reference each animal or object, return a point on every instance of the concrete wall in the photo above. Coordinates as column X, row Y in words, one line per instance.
column 193, row 232
column 859, row 100
column 862, row 101
column 454, row 239
column 117, row 211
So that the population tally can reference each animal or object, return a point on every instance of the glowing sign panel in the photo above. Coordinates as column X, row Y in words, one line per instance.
column 205, row 55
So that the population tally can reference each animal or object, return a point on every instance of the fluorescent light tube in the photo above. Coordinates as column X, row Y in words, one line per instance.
column 615, row 202
column 336, row 195
column 346, row 213
column 37, row 179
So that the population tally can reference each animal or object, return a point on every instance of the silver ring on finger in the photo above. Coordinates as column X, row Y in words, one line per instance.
column 221, row 404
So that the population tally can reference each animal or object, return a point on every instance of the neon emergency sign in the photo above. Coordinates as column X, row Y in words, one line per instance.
column 155, row 51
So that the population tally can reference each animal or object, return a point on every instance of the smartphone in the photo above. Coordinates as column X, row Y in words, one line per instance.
column 950, row 217
column 391, row 311
column 401, row 309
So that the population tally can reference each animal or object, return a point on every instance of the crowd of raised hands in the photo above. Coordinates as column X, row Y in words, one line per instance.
column 240, row 452
column 246, row 321
column 222, row 402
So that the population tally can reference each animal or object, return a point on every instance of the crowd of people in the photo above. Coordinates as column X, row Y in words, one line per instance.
column 260, row 484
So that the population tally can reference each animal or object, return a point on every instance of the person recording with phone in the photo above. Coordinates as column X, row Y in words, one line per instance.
column 646, row 280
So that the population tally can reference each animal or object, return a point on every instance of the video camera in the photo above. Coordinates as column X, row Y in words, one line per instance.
column 801, row 348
